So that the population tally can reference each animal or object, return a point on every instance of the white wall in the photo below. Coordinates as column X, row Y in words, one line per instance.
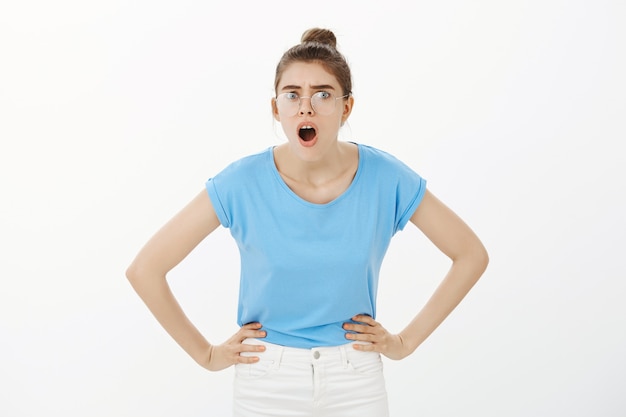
column 114, row 113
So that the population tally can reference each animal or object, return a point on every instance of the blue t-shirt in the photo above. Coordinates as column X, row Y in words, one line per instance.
column 308, row 268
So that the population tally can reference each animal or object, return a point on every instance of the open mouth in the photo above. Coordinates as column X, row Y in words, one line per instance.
column 306, row 133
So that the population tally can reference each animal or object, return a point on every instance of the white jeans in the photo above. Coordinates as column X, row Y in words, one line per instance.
column 328, row 381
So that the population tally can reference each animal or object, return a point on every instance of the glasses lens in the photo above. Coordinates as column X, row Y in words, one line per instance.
column 323, row 103
column 288, row 103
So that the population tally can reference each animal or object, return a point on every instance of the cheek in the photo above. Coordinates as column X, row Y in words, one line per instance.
column 340, row 122
column 288, row 129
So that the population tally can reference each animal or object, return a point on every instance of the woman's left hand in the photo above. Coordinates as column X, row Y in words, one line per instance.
column 380, row 340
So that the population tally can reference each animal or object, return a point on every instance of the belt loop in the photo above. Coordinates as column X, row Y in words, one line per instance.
column 279, row 357
column 344, row 355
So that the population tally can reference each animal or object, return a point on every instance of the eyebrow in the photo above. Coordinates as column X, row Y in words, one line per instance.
column 313, row 87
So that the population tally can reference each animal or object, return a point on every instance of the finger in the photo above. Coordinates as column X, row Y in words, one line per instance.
column 246, row 353
column 246, row 359
column 363, row 347
column 250, row 348
column 359, row 328
column 249, row 331
column 251, row 334
column 253, row 325
column 361, row 318
column 361, row 337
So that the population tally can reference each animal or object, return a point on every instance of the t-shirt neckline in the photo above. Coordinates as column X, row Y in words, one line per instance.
column 290, row 192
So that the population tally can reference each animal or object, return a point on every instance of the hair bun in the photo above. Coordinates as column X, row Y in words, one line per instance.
column 324, row 36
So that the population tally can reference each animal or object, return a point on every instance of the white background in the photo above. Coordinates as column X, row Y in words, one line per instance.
column 114, row 113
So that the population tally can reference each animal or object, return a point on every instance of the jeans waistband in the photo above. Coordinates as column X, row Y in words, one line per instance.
column 322, row 354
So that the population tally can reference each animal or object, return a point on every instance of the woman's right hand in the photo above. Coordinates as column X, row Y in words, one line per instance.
column 228, row 353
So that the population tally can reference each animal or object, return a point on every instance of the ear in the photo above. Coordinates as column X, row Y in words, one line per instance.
column 275, row 110
column 347, row 108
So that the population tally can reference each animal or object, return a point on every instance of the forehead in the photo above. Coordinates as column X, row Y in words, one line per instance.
column 305, row 74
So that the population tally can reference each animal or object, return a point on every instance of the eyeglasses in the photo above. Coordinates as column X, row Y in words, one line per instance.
column 322, row 102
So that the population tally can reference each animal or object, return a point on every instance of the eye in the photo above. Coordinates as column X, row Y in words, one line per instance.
column 291, row 96
column 323, row 95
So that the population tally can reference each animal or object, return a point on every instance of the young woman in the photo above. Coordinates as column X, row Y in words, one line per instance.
column 313, row 218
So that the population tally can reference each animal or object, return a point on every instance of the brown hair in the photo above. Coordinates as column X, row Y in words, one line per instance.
column 318, row 46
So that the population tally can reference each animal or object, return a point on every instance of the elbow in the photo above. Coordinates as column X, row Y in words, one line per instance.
column 142, row 273
column 136, row 274
column 133, row 273
column 480, row 258
column 483, row 259
column 474, row 259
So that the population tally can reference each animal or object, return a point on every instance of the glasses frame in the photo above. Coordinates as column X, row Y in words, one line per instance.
column 311, row 99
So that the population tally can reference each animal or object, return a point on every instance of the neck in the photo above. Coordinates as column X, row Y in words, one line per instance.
column 329, row 166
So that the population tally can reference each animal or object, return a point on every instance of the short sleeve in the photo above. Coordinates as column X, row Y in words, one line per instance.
column 410, row 190
column 231, row 189
column 212, row 189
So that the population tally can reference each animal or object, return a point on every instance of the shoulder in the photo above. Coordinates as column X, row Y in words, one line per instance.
column 248, row 165
column 252, row 161
column 242, row 173
column 387, row 169
column 380, row 158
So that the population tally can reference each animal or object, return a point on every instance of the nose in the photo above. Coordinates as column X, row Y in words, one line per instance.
column 306, row 106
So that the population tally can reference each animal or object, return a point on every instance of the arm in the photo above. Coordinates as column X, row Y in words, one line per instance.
column 469, row 260
column 147, row 274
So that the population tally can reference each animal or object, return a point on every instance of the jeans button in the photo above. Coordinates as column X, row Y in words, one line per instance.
column 316, row 354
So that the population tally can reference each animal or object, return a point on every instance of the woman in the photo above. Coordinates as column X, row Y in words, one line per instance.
column 313, row 218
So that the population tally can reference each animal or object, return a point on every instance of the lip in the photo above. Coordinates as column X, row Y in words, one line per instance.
column 307, row 143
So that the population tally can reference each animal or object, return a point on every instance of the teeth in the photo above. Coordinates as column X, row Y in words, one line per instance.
column 306, row 127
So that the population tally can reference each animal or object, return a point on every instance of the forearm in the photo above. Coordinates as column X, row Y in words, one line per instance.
column 158, row 297
column 461, row 277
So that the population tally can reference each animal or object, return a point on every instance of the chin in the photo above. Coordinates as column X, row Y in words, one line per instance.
column 306, row 153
